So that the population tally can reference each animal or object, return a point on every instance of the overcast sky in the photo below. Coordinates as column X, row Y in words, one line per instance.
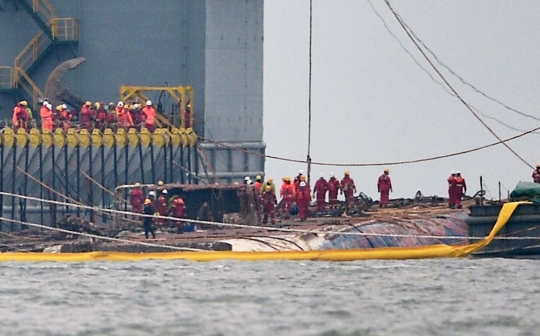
column 372, row 103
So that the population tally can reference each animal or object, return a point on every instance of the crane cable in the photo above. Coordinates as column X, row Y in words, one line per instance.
column 398, row 18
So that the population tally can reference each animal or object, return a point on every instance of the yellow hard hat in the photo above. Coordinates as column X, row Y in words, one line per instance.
column 160, row 183
column 303, row 178
column 24, row 103
column 147, row 201
column 88, row 103
column 538, row 165
column 267, row 188
column 137, row 184
column 59, row 108
column 287, row 178
column 386, row 170
column 258, row 177
column 270, row 180
column 347, row 173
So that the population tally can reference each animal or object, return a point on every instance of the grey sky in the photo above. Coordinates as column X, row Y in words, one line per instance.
column 371, row 103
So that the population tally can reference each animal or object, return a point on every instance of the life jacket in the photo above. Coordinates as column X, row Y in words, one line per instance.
column 150, row 115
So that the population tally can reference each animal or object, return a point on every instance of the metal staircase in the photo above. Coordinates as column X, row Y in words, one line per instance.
column 54, row 32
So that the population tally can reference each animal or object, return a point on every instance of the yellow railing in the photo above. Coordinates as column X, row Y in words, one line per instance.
column 29, row 86
column 65, row 29
column 45, row 8
column 30, row 54
column 6, row 77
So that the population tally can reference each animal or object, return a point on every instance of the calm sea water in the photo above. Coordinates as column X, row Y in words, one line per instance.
column 417, row 297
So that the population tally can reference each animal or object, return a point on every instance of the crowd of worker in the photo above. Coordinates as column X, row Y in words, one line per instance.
column 91, row 116
column 158, row 208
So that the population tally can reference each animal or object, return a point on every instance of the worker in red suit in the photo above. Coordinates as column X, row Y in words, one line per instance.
column 451, row 189
column 258, row 184
column 111, row 118
column 319, row 192
column 177, row 209
column 269, row 203
column 86, row 116
column 136, row 199
column 100, row 115
column 46, row 115
column 187, row 117
column 536, row 174
column 149, row 115
column 287, row 193
column 384, row 186
column 20, row 115
column 162, row 207
column 303, row 197
column 348, row 188
column 333, row 190
column 297, row 179
column 124, row 116
column 460, row 189
column 64, row 117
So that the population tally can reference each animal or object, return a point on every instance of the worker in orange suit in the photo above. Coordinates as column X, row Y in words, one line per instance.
column 333, row 190
column 86, row 116
column 20, row 115
column 124, row 116
column 287, row 194
column 319, row 192
column 451, row 189
column 269, row 202
column 460, row 189
column 348, row 188
column 136, row 199
column 384, row 186
column 46, row 115
column 162, row 207
column 303, row 197
column 149, row 114
column 536, row 174
column 177, row 209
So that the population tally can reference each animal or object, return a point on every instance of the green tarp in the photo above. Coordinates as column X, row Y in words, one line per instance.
column 526, row 191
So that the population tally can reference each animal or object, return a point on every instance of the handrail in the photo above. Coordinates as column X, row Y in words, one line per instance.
column 33, row 90
column 45, row 8
column 30, row 53
column 6, row 72
column 66, row 29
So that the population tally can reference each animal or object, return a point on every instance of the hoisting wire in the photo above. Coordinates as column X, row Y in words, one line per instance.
column 308, row 158
column 394, row 163
column 398, row 18
column 231, row 225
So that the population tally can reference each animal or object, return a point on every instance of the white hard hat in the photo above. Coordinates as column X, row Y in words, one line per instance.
column 135, row 105
column 302, row 184
column 148, row 102
column 152, row 193
column 49, row 106
column 452, row 172
column 45, row 103
column 246, row 178
column 458, row 172
column 64, row 106
column 322, row 175
column 164, row 191
column 301, row 171
column 120, row 104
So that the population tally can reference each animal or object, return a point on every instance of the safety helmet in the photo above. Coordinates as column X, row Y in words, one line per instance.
column 97, row 105
column 267, row 188
column 136, row 105
column 322, row 175
column 88, row 103
column 164, row 191
column 137, row 184
column 301, row 172
column 303, row 178
column 453, row 172
column 258, row 177
column 23, row 103
column 386, row 170
column 347, row 173
column 302, row 184
column 246, row 178
column 148, row 103
column 120, row 104
column 64, row 107
column 270, row 180
column 152, row 193
column 45, row 103
column 49, row 106
column 287, row 178
column 147, row 201
column 458, row 172
column 189, row 105
column 160, row 183
column 538, row 165
column 59, row 108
